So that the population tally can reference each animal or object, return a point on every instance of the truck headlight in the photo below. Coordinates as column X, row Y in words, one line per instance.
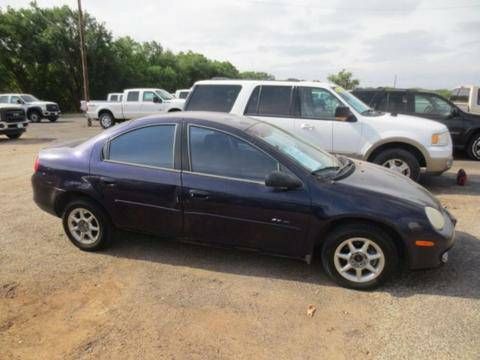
column 435, row 217
column 440, row 139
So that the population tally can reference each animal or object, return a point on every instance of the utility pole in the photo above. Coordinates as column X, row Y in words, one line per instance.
column 395, row 81
column 81, row 32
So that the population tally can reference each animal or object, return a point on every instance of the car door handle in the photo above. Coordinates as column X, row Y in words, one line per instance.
column 305, row 126
column 199, row 194
column 106, row 181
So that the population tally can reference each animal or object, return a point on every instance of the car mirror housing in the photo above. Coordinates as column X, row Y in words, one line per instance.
column 343, row 113
column 156, row 99
column 282, row 180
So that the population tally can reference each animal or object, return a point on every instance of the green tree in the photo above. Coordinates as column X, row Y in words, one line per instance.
column 254, row 75
column 344, row 79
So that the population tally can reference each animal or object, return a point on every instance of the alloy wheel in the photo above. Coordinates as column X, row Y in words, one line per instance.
column 399, row 166
column 83, row 226
column 359, row 260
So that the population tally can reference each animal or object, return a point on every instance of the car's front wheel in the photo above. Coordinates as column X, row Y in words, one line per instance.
column 359, row 256
column 34, row 116
column 401, row 161
column 14, row 135
column 87, row 225
column 473, row 147
column 53, row 118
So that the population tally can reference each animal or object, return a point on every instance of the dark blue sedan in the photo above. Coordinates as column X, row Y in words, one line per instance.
column 238, row 182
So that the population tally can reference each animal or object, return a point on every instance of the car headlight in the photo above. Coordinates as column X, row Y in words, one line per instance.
column 440, row 139
column 435, row 217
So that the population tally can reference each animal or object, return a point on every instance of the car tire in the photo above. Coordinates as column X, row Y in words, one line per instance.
column 87, row 225
column 380, row 255
column 53, row 118
column 34, row 116
column 14, row 136
column 399, row 160
column 106, row 120
column 473, row 147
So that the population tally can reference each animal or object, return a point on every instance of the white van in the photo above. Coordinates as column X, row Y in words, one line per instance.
column 467, row 98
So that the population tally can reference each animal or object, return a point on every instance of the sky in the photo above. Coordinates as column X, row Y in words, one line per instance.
column 424, row 43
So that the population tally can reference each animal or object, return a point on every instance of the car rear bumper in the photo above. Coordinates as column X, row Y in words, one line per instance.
column 44, row 195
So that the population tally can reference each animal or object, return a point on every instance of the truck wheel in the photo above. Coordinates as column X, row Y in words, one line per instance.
column 87, row 225
column 14, row 135
column 473, row 148
column 106, row 120
column 399, row 160
column 359, row 256
column 34, row 116
column 53, row 118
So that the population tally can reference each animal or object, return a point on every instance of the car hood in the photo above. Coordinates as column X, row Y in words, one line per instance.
column 412, row 122
column 383, row 181
column 41, row 102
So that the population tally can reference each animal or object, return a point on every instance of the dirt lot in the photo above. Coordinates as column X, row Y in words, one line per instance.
column 152, row 299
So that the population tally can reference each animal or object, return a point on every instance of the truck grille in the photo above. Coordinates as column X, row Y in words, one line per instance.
column 14, row 116
column 52, row 107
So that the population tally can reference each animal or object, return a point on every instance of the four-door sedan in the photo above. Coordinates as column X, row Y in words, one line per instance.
column 234, row 181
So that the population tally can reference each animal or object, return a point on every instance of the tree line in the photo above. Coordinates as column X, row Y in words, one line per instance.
column 40, row 54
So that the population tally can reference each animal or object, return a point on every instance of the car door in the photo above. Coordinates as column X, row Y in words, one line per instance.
column 434, row 107
column 139, row 180
column 272, row 104
column 315, row 115
column 150, row 107
column 132, row 106
column 226, row 201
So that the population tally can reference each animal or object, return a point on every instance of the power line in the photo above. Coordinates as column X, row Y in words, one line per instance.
column 304, row 5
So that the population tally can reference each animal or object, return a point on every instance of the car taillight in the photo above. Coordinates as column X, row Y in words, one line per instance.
column 36, row 164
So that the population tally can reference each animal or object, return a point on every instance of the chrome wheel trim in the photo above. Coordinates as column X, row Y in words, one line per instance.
column 476, row 148
column 84, row 226
column 106, row 120
column 399, row 166
column 359, row 260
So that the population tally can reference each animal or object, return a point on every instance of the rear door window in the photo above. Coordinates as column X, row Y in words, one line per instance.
column 219, row 98
column 275, row 100
column 3, row 99
column 132, row 96
column 148, row 146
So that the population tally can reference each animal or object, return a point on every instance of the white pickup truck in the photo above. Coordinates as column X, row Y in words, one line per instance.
column 467, row 98
column 134, row 104
column 330, row 117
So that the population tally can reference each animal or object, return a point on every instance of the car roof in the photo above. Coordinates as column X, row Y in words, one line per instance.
column 236, row 121
column 264, row 82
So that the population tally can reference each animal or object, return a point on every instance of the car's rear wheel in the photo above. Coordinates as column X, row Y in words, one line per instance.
column 401, row 161
column 34, row 116
column 473, row 147
column 53, row 118
column 359, row 256
column 106, row 120
column 87, row 225
column 14, row 135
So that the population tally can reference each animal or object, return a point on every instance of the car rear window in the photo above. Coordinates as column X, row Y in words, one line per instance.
column 219, row 98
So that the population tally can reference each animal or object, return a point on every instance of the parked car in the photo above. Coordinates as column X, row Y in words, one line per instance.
column 13, row 121
column 235, row 181
column 333, row 119
column 182, row 93
column 115, row 97
column 467, row 98
column 464, row 127
column 135, row 103
column 36, row 109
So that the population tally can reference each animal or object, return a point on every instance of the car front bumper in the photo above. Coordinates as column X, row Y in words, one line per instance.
column 51, row 113
column 439, row 159
column 434, row 256
column 7, row 127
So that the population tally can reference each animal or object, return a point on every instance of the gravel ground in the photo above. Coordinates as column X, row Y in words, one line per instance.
column 153, row 299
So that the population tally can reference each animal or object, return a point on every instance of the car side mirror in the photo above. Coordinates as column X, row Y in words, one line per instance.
column 282, row 180
column 156, row 100
column 19, row 101
column 454, row 112
column 343, row 113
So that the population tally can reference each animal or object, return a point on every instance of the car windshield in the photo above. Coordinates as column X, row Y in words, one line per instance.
column 164, row 95
column 28, row 98
column 308, row 156
column 351, row 100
